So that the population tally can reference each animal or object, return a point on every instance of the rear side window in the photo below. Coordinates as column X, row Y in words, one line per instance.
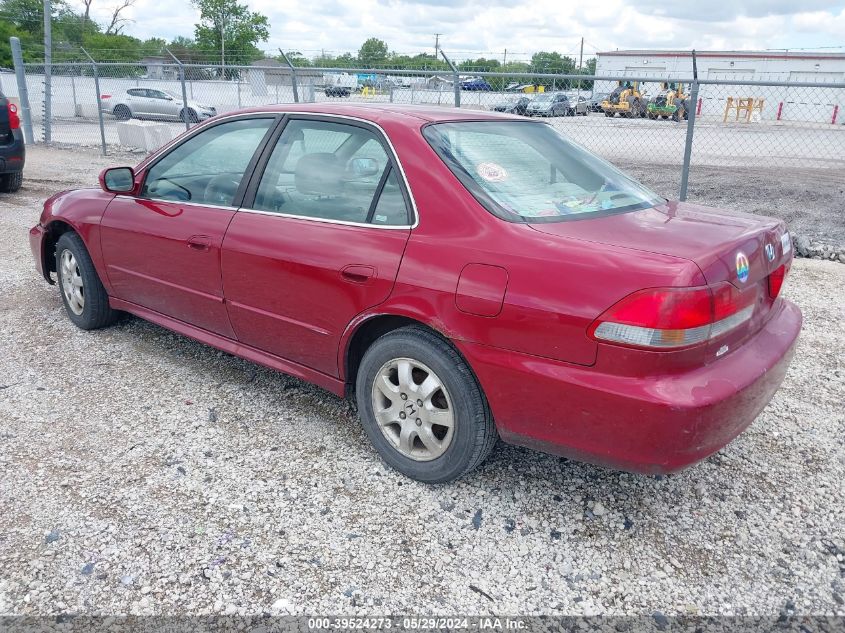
column 331, row 171
column 527, row 172
column 208, row 167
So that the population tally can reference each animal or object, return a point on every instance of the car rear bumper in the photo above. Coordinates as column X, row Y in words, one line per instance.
column 650, row 424
column 13, row 154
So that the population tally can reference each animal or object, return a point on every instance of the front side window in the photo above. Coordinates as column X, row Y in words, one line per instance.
column 207, row 168
column 528, row 172
column 331, row 171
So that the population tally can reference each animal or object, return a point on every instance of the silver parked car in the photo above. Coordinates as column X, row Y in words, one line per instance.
column 555, row 104
column 151, row 103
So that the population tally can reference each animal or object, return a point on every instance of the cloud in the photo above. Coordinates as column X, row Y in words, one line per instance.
column 470, row 28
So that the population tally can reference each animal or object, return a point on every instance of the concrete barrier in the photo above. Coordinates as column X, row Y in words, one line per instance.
column 145, row 135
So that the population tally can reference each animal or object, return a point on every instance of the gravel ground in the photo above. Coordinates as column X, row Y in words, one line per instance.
column 145, row 473
column 810, row 201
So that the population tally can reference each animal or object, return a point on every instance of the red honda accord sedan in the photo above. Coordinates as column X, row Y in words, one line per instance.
column 463, row 275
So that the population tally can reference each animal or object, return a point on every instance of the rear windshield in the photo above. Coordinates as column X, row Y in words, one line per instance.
column 525, row 171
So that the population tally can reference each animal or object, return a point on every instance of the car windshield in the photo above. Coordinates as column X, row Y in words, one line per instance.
column 543, row 97
column 528, row 172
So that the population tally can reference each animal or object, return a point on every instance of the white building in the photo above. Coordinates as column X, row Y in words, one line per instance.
column 783, row 103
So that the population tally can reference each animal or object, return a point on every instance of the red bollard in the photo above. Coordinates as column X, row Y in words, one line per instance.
column 698, row 107
column 835, row 114
column 780, row 109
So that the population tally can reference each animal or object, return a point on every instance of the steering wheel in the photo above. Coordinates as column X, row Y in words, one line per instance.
column 221, row 190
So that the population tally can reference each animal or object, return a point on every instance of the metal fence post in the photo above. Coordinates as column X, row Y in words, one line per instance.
column 99, row 102
column 693, row 101
column 48, row 71
column 185, row 112
column 456, row 80
column 292, row 76
column 23, row 94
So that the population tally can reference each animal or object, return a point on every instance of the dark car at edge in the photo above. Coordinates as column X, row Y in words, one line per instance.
column 12, row 151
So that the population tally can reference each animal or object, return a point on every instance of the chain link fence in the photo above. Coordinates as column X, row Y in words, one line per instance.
column 750, row 145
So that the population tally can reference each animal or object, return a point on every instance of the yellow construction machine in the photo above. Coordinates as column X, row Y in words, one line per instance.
column 625, row 99
column 669, row 102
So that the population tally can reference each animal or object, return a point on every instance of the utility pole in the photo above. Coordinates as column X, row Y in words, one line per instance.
column 505, row 59
column 222, row 45
column 437, row 43
column 48, row 68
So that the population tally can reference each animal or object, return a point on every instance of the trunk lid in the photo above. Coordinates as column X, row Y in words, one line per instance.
column 738, row 248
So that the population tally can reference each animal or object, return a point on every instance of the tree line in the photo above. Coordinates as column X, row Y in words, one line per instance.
column 227, row 34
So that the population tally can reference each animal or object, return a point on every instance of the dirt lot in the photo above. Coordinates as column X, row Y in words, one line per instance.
column 145, row 473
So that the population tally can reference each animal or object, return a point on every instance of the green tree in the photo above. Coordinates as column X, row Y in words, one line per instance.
column 229, row 31
column 372, row 53
column 347, row 60
column 296, row 58
column 480, row 65
column 27, row 16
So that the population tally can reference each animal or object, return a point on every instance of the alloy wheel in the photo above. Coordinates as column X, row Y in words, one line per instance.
column 72, row 286
column 413, row 409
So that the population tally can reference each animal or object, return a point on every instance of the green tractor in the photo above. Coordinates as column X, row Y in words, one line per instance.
column 669, row 102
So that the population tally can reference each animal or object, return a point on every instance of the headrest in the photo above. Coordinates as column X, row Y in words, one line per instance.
column 319, row 174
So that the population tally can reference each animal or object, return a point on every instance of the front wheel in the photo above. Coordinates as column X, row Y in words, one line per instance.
column 190, row 115
column 85, row 299
column 422, row 407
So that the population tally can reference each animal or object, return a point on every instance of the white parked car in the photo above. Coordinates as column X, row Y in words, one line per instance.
column 151, row 103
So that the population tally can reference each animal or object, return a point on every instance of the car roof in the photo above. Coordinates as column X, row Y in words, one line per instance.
column 410, row 115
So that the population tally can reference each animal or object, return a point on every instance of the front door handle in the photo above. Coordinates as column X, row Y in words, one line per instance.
column 358, row 274
column 199, row 242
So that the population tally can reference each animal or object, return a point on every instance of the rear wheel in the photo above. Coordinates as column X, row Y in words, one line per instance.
column 10, row 183
column 122, row 113
column 608, row 114
column 83, row 294
column 422, row 407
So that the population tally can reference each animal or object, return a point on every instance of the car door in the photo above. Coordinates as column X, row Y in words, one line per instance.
column 136, row 99
column 162, row 247
column 157, row 103
column 319, row 239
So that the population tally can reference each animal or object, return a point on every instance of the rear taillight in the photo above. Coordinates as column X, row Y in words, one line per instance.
column 14, row 119
column 666, row 318
column 776, row 278
column 105, row 96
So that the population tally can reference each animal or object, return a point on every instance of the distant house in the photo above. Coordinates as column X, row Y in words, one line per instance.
column 275, row 72
column 435, row 82
column 160, row 68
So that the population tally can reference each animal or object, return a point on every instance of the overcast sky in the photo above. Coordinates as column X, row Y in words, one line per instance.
column 490, row 26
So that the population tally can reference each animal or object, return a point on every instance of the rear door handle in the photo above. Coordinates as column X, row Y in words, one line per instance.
column 358, row 274
column 199, row 242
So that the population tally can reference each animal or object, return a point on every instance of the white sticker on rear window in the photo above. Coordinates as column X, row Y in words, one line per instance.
column 492, row 172
column 785, row 243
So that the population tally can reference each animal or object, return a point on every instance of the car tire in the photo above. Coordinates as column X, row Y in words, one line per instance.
column 192, row 116
column 122, row 113
column 10, row 183
column 414, row 365
column 88, row 307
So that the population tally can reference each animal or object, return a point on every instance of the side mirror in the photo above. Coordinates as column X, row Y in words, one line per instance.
column 169, row 98
column 117, row 179
column 363, row 167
